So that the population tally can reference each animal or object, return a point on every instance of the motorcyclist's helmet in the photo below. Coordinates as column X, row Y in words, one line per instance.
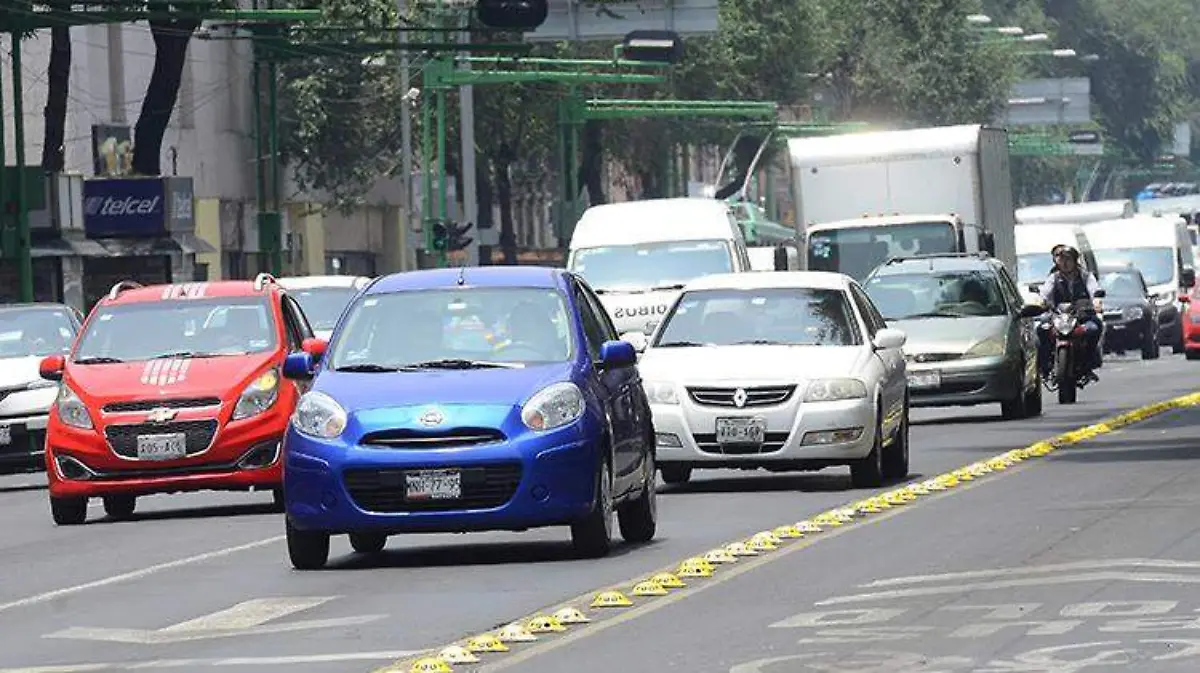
column 1065, row 250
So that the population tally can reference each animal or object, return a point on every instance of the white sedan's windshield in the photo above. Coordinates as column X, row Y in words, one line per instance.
column 505, row 325
column 323, row 306
column 619, row 268
column 778, row 316
column 34, row 331
column 924, row 295
column 198, row 327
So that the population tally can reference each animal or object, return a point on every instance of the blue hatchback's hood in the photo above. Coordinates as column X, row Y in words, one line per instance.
column 357, row 391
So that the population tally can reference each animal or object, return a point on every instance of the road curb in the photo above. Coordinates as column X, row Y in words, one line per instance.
column 556, row 622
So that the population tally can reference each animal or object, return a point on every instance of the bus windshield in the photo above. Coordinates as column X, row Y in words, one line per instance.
column 856, row 251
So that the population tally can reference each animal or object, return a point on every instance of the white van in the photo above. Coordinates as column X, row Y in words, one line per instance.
column 1076, row 213
column 638, row 255
column 1161, row 249
column 774, row 258
column 1034, row 242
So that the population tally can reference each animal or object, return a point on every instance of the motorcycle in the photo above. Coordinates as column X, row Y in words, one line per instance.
column 1070, row 369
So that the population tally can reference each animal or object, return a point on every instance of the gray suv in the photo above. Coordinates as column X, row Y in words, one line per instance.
column 967, row 342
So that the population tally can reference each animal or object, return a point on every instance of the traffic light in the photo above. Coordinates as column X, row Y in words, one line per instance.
column 512, row 14
column 457, row 238
column 440, row 236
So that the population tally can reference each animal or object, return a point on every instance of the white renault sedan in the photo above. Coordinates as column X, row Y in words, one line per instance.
column 778, row 370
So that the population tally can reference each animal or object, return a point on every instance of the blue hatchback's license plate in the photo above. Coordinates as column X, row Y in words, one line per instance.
column 433, row 485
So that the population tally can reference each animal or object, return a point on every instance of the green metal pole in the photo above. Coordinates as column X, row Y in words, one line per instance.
column 685, row 172
column 275, row 254
column 444, row 65
column 24, row 261
column 260, row 186
column 573, row 133
column 427, row 159
column 6, row 228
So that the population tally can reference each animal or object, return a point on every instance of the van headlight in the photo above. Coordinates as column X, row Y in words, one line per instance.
column 71, row 409
column 832, row 390
column 660, row 393
column 985, row 348
column 259, row 396
column 553, row 407
column 319, row 415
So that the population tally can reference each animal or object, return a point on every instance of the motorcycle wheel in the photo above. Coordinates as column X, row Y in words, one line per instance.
column 1064, row 375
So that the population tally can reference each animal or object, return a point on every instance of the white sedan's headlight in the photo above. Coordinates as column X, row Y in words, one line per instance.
column 988, row 347
column 553, row 407
column 830, row 390
column 72, row 410
column 319, row 415
column 259, row 396
column 660, row 393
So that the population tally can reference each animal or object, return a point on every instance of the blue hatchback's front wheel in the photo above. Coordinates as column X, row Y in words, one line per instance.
column 308, row 550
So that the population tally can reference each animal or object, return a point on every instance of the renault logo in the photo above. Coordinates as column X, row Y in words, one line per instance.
column 431, row 418
column 161, row 415
column 739, row 398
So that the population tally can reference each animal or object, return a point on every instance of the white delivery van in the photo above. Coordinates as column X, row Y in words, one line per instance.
column 776, row 258
column 863, row 198
column 1034, row 243
column 1161, row 249
column 638, row 255
column 1076, row 213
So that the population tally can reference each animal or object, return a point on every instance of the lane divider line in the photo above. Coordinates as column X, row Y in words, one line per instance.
column 514, row 643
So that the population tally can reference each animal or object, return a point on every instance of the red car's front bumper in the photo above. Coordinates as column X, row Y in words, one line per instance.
column 241, row 455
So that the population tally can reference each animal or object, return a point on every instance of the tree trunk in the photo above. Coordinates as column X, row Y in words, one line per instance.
column 171, row 39
column 592, row 162
column 58, row 87
column 484, row 199
column 508, row 239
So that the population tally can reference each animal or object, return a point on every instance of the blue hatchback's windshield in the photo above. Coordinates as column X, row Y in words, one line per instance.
column 511, row 325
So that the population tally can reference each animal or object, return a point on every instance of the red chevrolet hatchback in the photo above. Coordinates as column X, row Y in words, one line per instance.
column 172, row 388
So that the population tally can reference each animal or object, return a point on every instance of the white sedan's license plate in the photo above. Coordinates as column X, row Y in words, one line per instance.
column 924, row 379
column 433, row 485
column 741, row 430
column 162, row 447
column 5, row 435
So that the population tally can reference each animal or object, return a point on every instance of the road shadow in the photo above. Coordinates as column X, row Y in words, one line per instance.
column 222, row 511
column 477, row 554
column 802, row 482
column 22, row 488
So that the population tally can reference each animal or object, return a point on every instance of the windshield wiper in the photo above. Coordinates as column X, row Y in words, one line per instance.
column 454, row 363
column 678, row 344
column 934, row 314
column 762, row 342
column 98, row 360
column 368, row 369
column 186, row 354
column 671, row 286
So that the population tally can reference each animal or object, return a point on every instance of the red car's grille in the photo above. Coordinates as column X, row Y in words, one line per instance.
column 198, row 435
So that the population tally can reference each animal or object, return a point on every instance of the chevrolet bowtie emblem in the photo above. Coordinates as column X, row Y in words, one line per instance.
column 161, row 415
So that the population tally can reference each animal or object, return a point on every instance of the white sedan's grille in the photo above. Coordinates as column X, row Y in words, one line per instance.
column 760, row 396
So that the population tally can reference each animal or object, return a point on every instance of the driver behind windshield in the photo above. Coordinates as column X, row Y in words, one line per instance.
column 531, row 328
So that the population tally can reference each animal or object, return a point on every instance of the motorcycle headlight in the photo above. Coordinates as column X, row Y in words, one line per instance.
column 259, row 396
column 71, row 409
column 318, row 415
column 660, row 393
column 989, row 347
column 1131, row 313
column 553, row 407
column 1064, row 323
column 831, row 390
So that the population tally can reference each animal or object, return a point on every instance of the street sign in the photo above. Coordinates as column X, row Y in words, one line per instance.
column 589, row 20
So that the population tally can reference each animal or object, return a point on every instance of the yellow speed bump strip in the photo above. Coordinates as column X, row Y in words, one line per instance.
column 724, row 559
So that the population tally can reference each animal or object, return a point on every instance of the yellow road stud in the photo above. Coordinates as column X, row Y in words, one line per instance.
column 740, row 549
column 788, row 532
column 570, row 615
column 695, row 567
column 668, row 581
column 933, row 485
column 544, row 624
column 827, row 519
column 431, row 665
column 761, row 545
column 808, row 527
column 720, row 556
column 515, row 633
column 649, row 588
column 611, row 599
column 457, row 654
column 486, row 643
column 917, row 489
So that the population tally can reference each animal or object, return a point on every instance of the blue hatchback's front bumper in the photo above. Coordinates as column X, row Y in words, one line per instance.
column 528, row 481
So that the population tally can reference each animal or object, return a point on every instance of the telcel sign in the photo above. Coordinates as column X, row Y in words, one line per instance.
column 130, row 208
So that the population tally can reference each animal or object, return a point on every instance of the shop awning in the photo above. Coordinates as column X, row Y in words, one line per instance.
column 191, row 243
column 145, row 247
column 60, row 247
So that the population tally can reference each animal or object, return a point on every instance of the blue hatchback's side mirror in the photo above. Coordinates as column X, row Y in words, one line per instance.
column 298, row 366
column 617, row 354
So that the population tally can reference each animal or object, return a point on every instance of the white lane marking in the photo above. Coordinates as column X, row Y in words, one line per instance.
column 249, row 614
column 1009, row 584
column 136, row 574
column 1034, row 570
column 232, row 661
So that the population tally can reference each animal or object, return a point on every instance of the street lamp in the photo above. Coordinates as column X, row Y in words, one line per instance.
column 1090, row 58
column 1010, row 30
column 1036, row 37
column 979, row 19
column 1063, row 53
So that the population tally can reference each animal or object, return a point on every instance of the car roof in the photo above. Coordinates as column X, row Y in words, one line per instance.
column 931, row 263
column 35, row 306
column 313, row 282
column 765, row 280
column 475, row 276
column 654, row 221
column 165, row 292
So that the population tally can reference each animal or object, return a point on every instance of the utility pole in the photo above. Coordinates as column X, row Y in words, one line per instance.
column 466, row 98
column 406, row 158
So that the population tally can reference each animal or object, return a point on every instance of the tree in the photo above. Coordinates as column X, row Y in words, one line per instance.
column 340, row 114
column 58, row 89
column 171, row 39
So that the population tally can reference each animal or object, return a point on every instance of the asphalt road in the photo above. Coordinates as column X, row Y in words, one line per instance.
column 114, row 596
column 1084, row 562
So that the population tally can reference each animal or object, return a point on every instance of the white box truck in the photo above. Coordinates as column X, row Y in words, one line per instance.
column 864, row 198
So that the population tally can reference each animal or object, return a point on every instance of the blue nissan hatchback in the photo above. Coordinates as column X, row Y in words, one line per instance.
column 455, row 400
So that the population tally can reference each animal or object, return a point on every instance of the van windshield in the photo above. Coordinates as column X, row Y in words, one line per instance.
column 1033, row 267
column 856, row 251
column 648, row 266
column 1156, row 264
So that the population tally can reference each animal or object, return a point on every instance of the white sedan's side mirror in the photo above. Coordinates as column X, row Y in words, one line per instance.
column 888, row 338
column 637, row 339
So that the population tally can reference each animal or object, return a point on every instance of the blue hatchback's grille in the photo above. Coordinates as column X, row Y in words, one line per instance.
column 382, row 490
column 417, row 439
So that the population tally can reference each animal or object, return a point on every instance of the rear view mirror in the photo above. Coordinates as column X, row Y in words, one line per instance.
column 1101, row 294
column 888, row 338
column 1185, row 299
column 1188, row 277
column 1035, row 288
column 51, row 367
column 1032, row 310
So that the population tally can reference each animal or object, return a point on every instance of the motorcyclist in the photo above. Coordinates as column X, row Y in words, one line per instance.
column 1067, row 284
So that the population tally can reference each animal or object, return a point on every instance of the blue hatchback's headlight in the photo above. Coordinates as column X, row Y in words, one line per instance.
column 318, row 415
column 553, row 407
